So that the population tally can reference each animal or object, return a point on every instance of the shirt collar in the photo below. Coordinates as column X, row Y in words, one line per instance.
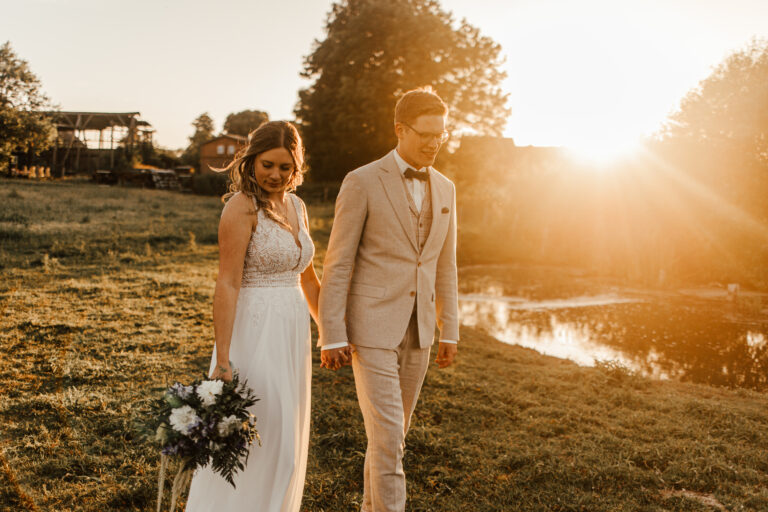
column 403, row 165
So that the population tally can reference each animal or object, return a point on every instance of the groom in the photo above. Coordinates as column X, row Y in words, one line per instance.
column 389, row 276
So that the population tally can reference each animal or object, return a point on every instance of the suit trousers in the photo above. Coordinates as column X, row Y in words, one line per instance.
column 388, row 382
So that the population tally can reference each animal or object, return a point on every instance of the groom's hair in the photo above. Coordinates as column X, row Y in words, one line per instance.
column 422, row 101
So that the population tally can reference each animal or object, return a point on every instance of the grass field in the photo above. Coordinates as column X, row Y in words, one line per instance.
column 105, row 298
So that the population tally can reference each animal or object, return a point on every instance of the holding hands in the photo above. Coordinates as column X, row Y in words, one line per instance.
column 335, row 358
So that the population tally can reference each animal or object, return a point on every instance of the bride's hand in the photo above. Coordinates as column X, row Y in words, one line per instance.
column 222, row 371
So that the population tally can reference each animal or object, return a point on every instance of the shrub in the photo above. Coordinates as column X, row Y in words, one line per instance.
column 210, row 184
column 615, row 370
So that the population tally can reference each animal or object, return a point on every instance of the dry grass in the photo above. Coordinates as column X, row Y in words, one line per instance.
column 87, row 335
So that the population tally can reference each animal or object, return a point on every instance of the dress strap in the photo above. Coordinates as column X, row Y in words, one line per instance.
column 298, row 207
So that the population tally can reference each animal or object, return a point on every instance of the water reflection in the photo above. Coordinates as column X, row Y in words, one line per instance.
column 657, row 336
column 567, row 340
column 573, row 302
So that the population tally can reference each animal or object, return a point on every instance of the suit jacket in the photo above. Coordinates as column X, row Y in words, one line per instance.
column 374, row 273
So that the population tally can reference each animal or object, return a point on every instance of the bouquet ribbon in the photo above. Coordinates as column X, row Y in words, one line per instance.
column 180, row 482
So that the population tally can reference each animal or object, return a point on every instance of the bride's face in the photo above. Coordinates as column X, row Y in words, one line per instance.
column 273, row 169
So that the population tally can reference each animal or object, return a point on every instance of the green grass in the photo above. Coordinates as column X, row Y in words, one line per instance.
column 121, row 307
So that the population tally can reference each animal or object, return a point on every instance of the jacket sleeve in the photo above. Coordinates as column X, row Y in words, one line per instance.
column 348, row 222
column 446, row 281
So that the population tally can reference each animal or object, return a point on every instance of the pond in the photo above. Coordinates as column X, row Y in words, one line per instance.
column 694, row 335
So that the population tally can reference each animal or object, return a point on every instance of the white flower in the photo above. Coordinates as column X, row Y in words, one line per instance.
column 183, row 419
column 208, row 389
column 228, row 425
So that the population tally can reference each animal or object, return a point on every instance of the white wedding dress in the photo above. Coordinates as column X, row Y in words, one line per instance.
column 271, row 348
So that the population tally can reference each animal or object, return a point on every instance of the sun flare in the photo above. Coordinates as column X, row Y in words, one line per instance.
column 601, row 153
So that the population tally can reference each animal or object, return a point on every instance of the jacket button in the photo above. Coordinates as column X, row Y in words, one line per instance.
column 413, row 294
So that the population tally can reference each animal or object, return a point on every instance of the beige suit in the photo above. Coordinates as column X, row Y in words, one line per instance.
column 389, row 276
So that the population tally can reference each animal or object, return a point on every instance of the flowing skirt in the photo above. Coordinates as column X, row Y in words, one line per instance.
column 271, row 348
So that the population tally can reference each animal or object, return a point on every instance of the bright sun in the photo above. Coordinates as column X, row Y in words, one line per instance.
column 600, row 153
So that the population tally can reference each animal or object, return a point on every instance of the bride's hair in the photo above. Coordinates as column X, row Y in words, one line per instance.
column 270, row 135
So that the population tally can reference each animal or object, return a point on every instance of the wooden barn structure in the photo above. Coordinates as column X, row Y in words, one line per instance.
column 88, row 141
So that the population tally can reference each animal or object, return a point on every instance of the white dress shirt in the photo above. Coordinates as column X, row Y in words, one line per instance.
column 418, row 190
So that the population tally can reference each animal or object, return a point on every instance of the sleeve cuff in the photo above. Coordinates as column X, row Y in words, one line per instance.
column 450, row 341
column 334, row 345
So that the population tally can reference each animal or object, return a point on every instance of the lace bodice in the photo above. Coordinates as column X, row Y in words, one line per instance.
column 273, row 258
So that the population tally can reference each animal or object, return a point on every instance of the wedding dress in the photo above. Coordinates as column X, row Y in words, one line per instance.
column 271, row 348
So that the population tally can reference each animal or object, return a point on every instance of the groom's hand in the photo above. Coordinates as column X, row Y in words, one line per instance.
column 335, row 358
column 446, row 352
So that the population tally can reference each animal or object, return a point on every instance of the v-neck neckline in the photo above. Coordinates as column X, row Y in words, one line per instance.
column 295, row 235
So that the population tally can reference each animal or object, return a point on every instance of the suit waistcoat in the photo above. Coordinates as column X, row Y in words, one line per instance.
column 421, row 221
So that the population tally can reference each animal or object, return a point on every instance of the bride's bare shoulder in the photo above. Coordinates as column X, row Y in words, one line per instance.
column 238, row 203
column 237, row 207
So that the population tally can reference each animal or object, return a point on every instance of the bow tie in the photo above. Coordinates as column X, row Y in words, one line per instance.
column 419, row 175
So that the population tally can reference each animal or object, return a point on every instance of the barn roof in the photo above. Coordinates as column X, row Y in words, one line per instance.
column 95, row 120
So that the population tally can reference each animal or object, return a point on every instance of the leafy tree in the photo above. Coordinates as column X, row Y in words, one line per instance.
column 373, row 52
column 150, row 154
column 714, row 151
column 719, row 134
column 23, row 124
column 203, row 125
column 243, row 122
column 730, row 105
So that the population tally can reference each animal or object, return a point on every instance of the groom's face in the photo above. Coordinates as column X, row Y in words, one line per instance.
column 420, row 141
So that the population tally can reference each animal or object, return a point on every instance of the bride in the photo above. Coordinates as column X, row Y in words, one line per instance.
column 265, row 292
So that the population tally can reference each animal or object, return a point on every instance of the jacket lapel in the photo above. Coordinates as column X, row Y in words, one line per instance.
column 396, row 193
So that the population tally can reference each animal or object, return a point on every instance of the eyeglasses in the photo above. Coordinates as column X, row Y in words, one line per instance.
column 427, row 137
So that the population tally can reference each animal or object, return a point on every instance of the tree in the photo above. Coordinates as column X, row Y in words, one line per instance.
column 150, row 154
column 714, row 151
column 729, row 106
column 720, row 132
column 373, row 52
column 23, row 125
column 242, row 123
column 203, row 125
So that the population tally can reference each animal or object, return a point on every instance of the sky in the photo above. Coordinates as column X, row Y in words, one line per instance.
column 590, row 74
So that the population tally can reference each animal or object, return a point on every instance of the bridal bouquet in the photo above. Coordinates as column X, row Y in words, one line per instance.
column 205, row 422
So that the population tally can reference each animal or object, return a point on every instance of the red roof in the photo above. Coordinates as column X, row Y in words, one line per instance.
column 230, row 136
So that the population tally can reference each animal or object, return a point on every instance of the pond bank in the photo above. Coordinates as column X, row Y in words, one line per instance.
column 693, row 335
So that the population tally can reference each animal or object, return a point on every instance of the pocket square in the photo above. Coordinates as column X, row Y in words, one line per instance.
column 445, row 209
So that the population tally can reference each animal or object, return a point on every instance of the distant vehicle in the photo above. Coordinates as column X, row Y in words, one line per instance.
column 144, row 176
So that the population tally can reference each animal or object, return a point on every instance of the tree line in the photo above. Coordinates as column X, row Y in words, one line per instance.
column 694, row 200
column 373, row 52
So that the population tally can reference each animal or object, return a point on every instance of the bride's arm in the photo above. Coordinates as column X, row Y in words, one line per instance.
column 234, row 234
column 309, row 281
column 311, row 286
